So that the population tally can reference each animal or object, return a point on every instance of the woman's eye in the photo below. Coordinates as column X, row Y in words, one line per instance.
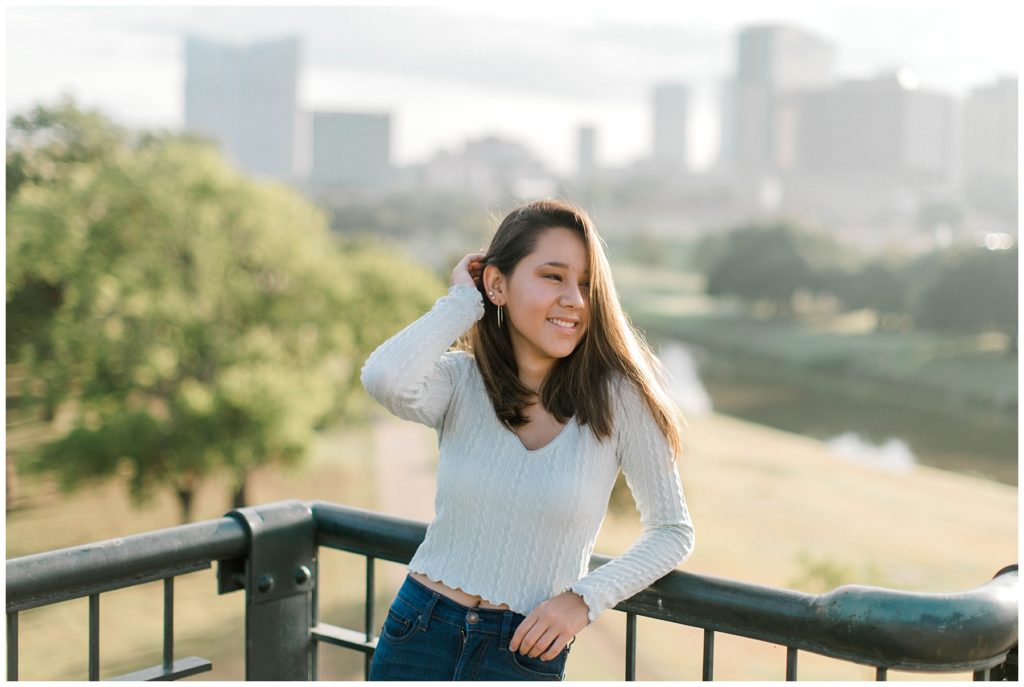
column 558, row 277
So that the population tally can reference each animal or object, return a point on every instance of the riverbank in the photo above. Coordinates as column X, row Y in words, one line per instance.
column 962, row 375
column 942, row 400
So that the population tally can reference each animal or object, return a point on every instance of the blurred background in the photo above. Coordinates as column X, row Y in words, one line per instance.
column 214, row 214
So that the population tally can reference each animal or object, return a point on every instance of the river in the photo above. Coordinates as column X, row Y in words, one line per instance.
column 886, row 435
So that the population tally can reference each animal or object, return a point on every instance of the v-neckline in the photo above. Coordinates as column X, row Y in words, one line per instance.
column 541, row 448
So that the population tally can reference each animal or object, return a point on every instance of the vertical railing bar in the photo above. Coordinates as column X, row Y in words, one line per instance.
column 168, row 625
column 315, row 615
column 790, row 664
column 368, row 609
column 94, row 637
column 709, row 656
column 12, row 646
column 881, row 674
column 630, row 646
column 981, row 675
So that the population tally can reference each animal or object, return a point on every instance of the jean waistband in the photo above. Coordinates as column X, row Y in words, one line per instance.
column 440, row 607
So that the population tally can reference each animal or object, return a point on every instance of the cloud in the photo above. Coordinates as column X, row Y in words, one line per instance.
column 528, row 54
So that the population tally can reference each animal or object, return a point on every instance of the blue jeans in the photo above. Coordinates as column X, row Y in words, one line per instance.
column 427, row 636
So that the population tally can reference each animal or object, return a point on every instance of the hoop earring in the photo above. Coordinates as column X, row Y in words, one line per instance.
column 499, row 309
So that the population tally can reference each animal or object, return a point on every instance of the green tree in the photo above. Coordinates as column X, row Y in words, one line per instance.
column 768, row 263
column 200, row 322
column 971, row 289
column 646, row 249
column 48, row 147
column 878, row 284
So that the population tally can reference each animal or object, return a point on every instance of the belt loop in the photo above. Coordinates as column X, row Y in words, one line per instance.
column 506, row 631
column 424, row 622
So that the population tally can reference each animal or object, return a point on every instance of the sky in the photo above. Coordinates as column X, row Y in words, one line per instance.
column 530, row 71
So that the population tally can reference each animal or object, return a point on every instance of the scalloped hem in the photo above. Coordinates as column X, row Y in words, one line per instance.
column 591, row 616
column 447, row 584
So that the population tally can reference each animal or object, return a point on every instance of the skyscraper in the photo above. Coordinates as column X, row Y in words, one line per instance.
column 670, row 121
column 351, row 149
column 490, row 167
column 244, row 98
column 990, row 130
column 989, row 150
column 771, row 62
column 883, row 128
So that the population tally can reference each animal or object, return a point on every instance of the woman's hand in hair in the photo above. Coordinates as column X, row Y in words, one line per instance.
column 550, row 626
column 469, row 270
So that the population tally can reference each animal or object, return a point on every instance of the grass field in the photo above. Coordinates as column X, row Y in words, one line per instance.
column 770, row 507
column 952, row 372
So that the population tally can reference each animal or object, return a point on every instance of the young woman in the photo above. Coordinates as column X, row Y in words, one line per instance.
column 548, row 393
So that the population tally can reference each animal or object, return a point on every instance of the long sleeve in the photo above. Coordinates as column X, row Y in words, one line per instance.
column 667, row 537
column 411, row 373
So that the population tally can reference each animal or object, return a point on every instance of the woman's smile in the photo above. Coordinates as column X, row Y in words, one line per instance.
column 547, row 299
column 567, row 325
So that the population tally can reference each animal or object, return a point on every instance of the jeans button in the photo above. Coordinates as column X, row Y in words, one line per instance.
column 472, row 616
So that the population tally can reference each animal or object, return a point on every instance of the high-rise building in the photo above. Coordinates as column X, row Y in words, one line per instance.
column 771, row 62
column 351, row 149
column 988, row 174
column 244, row 98
column 586, row 159
column 990, row 130
column 670, row 102
column 490, row 167
column 883, row 128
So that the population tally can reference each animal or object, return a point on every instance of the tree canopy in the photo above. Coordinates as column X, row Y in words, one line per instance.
column 971, row 289
column 767, row 262
column 197, row 320
column 962, row 288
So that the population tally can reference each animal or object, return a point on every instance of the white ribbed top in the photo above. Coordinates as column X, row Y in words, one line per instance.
column 517, row 526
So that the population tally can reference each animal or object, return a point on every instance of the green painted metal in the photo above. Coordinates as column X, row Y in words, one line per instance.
column 368, row 623
column 270, row 551
column 630, row 647
column 168, row 664
column 78, row 571
column 279, row 585
column 878, row 627
column 185, row 667
column 708, row 663
column 94, row 637
column 12, row 647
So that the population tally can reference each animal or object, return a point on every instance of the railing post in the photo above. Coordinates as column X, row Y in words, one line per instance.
column 12, row 646
column 279, row 582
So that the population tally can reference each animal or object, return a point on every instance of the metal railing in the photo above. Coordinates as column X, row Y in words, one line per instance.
column 271, row 553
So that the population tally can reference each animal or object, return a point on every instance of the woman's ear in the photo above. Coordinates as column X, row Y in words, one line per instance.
column 494, row 284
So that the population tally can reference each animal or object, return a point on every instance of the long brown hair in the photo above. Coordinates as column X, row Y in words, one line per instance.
column 577, row 384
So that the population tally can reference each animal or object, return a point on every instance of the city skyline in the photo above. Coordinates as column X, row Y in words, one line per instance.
column 530, row 80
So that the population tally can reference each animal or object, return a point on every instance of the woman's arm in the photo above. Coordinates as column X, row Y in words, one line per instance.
column 412, row 373
column 667, row 537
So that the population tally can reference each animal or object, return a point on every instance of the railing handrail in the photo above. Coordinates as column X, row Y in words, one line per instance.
column 77, row 571
column 968, row 630
column 872, row 625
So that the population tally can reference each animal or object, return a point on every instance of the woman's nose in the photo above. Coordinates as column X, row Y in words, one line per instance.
column 573, row 297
